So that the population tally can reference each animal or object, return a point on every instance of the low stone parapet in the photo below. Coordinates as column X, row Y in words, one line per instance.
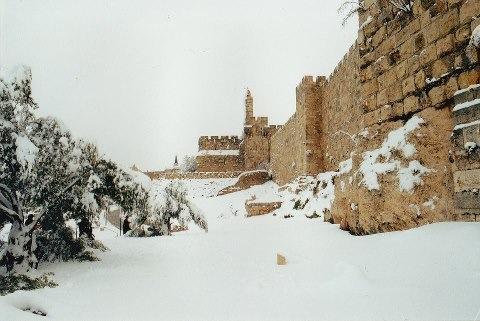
column 260, row 208
column 247, row 180
column 191, row 175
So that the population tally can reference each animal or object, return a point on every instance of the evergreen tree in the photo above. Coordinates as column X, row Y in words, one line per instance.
column 48, row 178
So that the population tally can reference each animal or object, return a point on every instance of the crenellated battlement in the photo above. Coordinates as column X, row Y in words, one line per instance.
column 218, row 142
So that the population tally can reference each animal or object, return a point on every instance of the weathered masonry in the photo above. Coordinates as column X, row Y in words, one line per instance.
column 417, row 65
column 232, row 154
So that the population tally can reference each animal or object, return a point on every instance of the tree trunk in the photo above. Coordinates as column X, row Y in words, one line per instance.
column 19, row 253
column 85, row 228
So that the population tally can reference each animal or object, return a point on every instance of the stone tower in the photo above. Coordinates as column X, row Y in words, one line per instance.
column 248, row 108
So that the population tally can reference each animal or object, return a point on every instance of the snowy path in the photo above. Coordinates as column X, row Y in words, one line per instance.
column 230, row 274
column 432, row 272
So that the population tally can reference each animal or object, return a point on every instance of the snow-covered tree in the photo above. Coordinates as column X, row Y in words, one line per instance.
column 47, row 179
column 164, row 205
column 189, row 164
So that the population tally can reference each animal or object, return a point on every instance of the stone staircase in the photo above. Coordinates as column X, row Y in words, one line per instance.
column 466, row 141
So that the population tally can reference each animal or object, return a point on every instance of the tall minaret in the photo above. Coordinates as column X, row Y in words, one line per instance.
column 248, row 108
column 175, row 163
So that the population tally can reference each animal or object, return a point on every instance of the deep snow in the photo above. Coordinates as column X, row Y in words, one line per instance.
column 432, row 272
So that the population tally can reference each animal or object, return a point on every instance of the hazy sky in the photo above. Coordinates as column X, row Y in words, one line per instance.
column 144, row 78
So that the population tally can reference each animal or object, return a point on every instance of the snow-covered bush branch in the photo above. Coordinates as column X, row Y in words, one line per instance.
column 166, row 204
column 49, row 178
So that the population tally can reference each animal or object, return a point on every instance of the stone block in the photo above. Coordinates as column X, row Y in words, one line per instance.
column 419, row 42
column 468, row 78
column 448, row 22
column 462, row 34
column 467, row 95
column 420, row 79
column 451, row 87
column 386, row 113
column 467, row 200
column 367, row 74
column 401, row 69
column 369, row 119
column 428, row 55
column 407, row 31
column 466, row 180
column 367, row 59
column 411, row 104
column 445, row 45
column 394, row 93
column 370, row 103
column 472, row 133
column 407, row 48
column 387, row 46
column 382, row 97
column 369, row 87
column 466, row 115
column 439, row 68
column 437, row 95
column 398, row 109
column 408, row 85
column 255, row 209
column 381, row 65
column 391, row 78
column 468, row 10
column 281, row 260
column 379, row 36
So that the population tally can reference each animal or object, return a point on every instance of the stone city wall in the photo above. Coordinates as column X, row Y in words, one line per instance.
column 411, row 64
column 191, row 175
column 295, row 148
column 341, row 111
column 219, row 154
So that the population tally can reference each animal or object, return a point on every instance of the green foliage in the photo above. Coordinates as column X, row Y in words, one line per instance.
column 14, row 282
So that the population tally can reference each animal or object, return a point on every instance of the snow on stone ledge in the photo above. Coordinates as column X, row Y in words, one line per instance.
column 461, row 91
column 219, row 152
column 466, row 104
column 465, row 125
column 475, row 39
column 382, row 161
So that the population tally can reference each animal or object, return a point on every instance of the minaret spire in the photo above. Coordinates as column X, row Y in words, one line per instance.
column 248, row 108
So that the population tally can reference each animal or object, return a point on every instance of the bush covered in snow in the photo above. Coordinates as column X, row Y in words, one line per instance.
column 166, row 204
column 189, row 164
column 48, row 178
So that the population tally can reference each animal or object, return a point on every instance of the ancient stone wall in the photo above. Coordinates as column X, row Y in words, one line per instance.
column 466, row 141
column 287, row 154
column 411, row 64
column 191, row 175
column 233, row 154
column 405, row 65
column 412, row 61
column 341, row 111
column 219, row 154
column 218, row 142
column 255, row 147
column 296, row 147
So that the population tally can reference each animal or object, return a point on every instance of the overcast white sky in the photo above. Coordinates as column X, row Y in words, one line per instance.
column 143, row 79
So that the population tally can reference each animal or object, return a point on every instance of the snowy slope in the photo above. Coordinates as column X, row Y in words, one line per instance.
column 432, row 272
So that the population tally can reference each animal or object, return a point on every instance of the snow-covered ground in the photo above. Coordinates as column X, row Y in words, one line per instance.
column 428, row 273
